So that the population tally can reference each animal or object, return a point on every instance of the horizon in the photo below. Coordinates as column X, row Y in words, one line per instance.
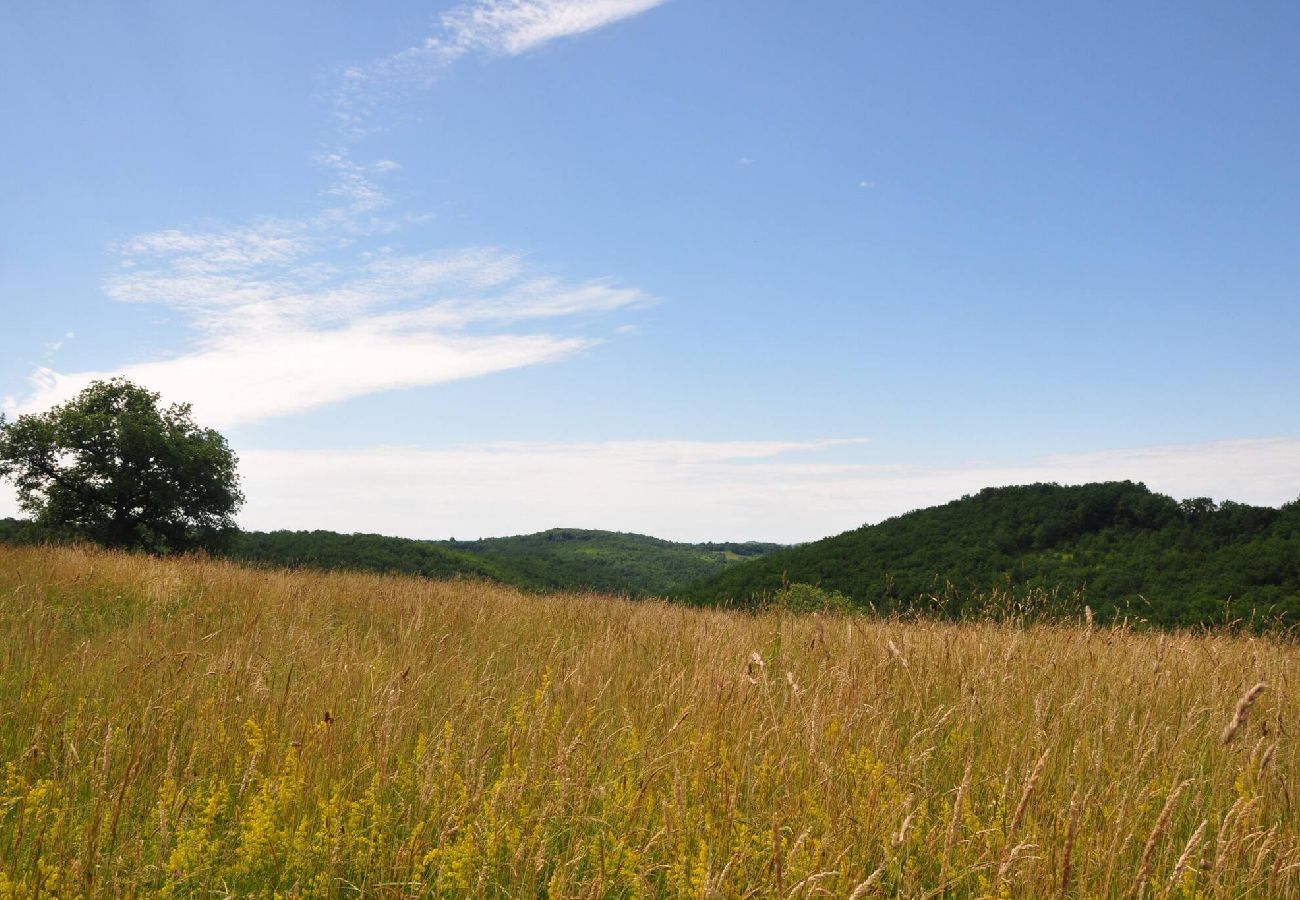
column 697, row 270
column 724, row 540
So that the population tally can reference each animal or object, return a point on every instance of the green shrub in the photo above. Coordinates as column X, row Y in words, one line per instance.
column 804, row 598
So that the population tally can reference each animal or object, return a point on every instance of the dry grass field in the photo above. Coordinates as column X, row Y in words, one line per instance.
column 193, row 728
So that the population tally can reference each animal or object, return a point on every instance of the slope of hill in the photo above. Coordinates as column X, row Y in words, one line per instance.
column 361, row 553
column 562, row 558
column 1123, row 548
column 608, row 560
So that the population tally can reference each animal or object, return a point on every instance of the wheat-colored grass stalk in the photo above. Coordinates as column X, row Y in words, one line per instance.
column 860, row 890
column 1018, row 852
column 1026, row 794
column 1266, row 758
column 1148, row 851
column 1185, row 857
column 1243, row 710
column 1009, row 855
column 1067, row 849
column 901, row 835
column 955, row 820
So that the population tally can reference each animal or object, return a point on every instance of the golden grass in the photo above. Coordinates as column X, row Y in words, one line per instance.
column 196, row 728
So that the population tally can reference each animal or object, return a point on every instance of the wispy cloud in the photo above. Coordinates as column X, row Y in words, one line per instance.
column 289, row 314
column 280, row 331
column 491, row 27
column 53, row 347
column 516, row 26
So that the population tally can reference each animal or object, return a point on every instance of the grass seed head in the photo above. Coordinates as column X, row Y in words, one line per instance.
column 1243, row 710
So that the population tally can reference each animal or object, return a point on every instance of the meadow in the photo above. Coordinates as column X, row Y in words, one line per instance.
column 193, row 728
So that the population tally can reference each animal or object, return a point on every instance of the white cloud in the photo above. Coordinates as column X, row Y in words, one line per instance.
column 53, row 347
column 281, row 332
column 493, row 27
column 516, row 26
column 692, row 490
column 234, row 381
column 242, row 249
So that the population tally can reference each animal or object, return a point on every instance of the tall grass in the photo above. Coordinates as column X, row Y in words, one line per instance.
column 194, row 728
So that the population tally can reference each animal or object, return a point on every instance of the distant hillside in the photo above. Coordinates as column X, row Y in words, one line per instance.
column 1128, row 550
column 359, row 552
column 561, row 558
column 607, row 560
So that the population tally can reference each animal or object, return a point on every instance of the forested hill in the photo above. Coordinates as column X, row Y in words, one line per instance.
column 558, row 559
column 608, row 560
column 1116, row 546
column 359, row 552
column 1127, row 550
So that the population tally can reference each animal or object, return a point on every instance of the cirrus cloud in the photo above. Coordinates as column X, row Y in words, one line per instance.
column 490, row 27
column 280, row 333
column 290, row 314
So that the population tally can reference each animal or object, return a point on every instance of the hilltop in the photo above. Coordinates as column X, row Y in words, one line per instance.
column 1117, row 546
column 558, row 559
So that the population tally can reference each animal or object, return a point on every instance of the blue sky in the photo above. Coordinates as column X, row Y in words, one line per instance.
column 698, row 268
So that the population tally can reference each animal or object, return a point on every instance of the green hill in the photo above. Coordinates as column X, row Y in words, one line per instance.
column 1116, row 546
column 607, row 560
column 562, row 558
column 359, row 552
column 559, row 559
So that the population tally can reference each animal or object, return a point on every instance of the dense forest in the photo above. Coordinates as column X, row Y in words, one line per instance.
column 611, row 561
column 1115, row 546
column 359, row 552
column 559, row 559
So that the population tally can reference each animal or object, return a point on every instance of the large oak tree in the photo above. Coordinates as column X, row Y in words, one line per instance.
column 112, row 466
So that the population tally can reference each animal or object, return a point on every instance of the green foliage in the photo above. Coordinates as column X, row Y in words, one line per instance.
column 807, row 598
column 20, row 531
column 113, row 467
column 608, row 561
column 359, row 552
column 559, row 559
column 1118, row 547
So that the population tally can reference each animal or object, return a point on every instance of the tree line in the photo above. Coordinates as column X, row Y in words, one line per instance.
column 115, row 467
column 1117, row 547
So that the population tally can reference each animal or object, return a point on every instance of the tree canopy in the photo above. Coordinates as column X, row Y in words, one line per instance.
column 1117, row 546
column 558, row 559
column 114, row 467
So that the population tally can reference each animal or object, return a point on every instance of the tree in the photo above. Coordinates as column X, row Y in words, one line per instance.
column 112, row 466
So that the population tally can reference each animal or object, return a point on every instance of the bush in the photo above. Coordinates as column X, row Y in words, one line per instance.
column 806, row 598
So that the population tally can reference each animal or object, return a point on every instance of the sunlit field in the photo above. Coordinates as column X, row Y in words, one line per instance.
column 199, row 729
